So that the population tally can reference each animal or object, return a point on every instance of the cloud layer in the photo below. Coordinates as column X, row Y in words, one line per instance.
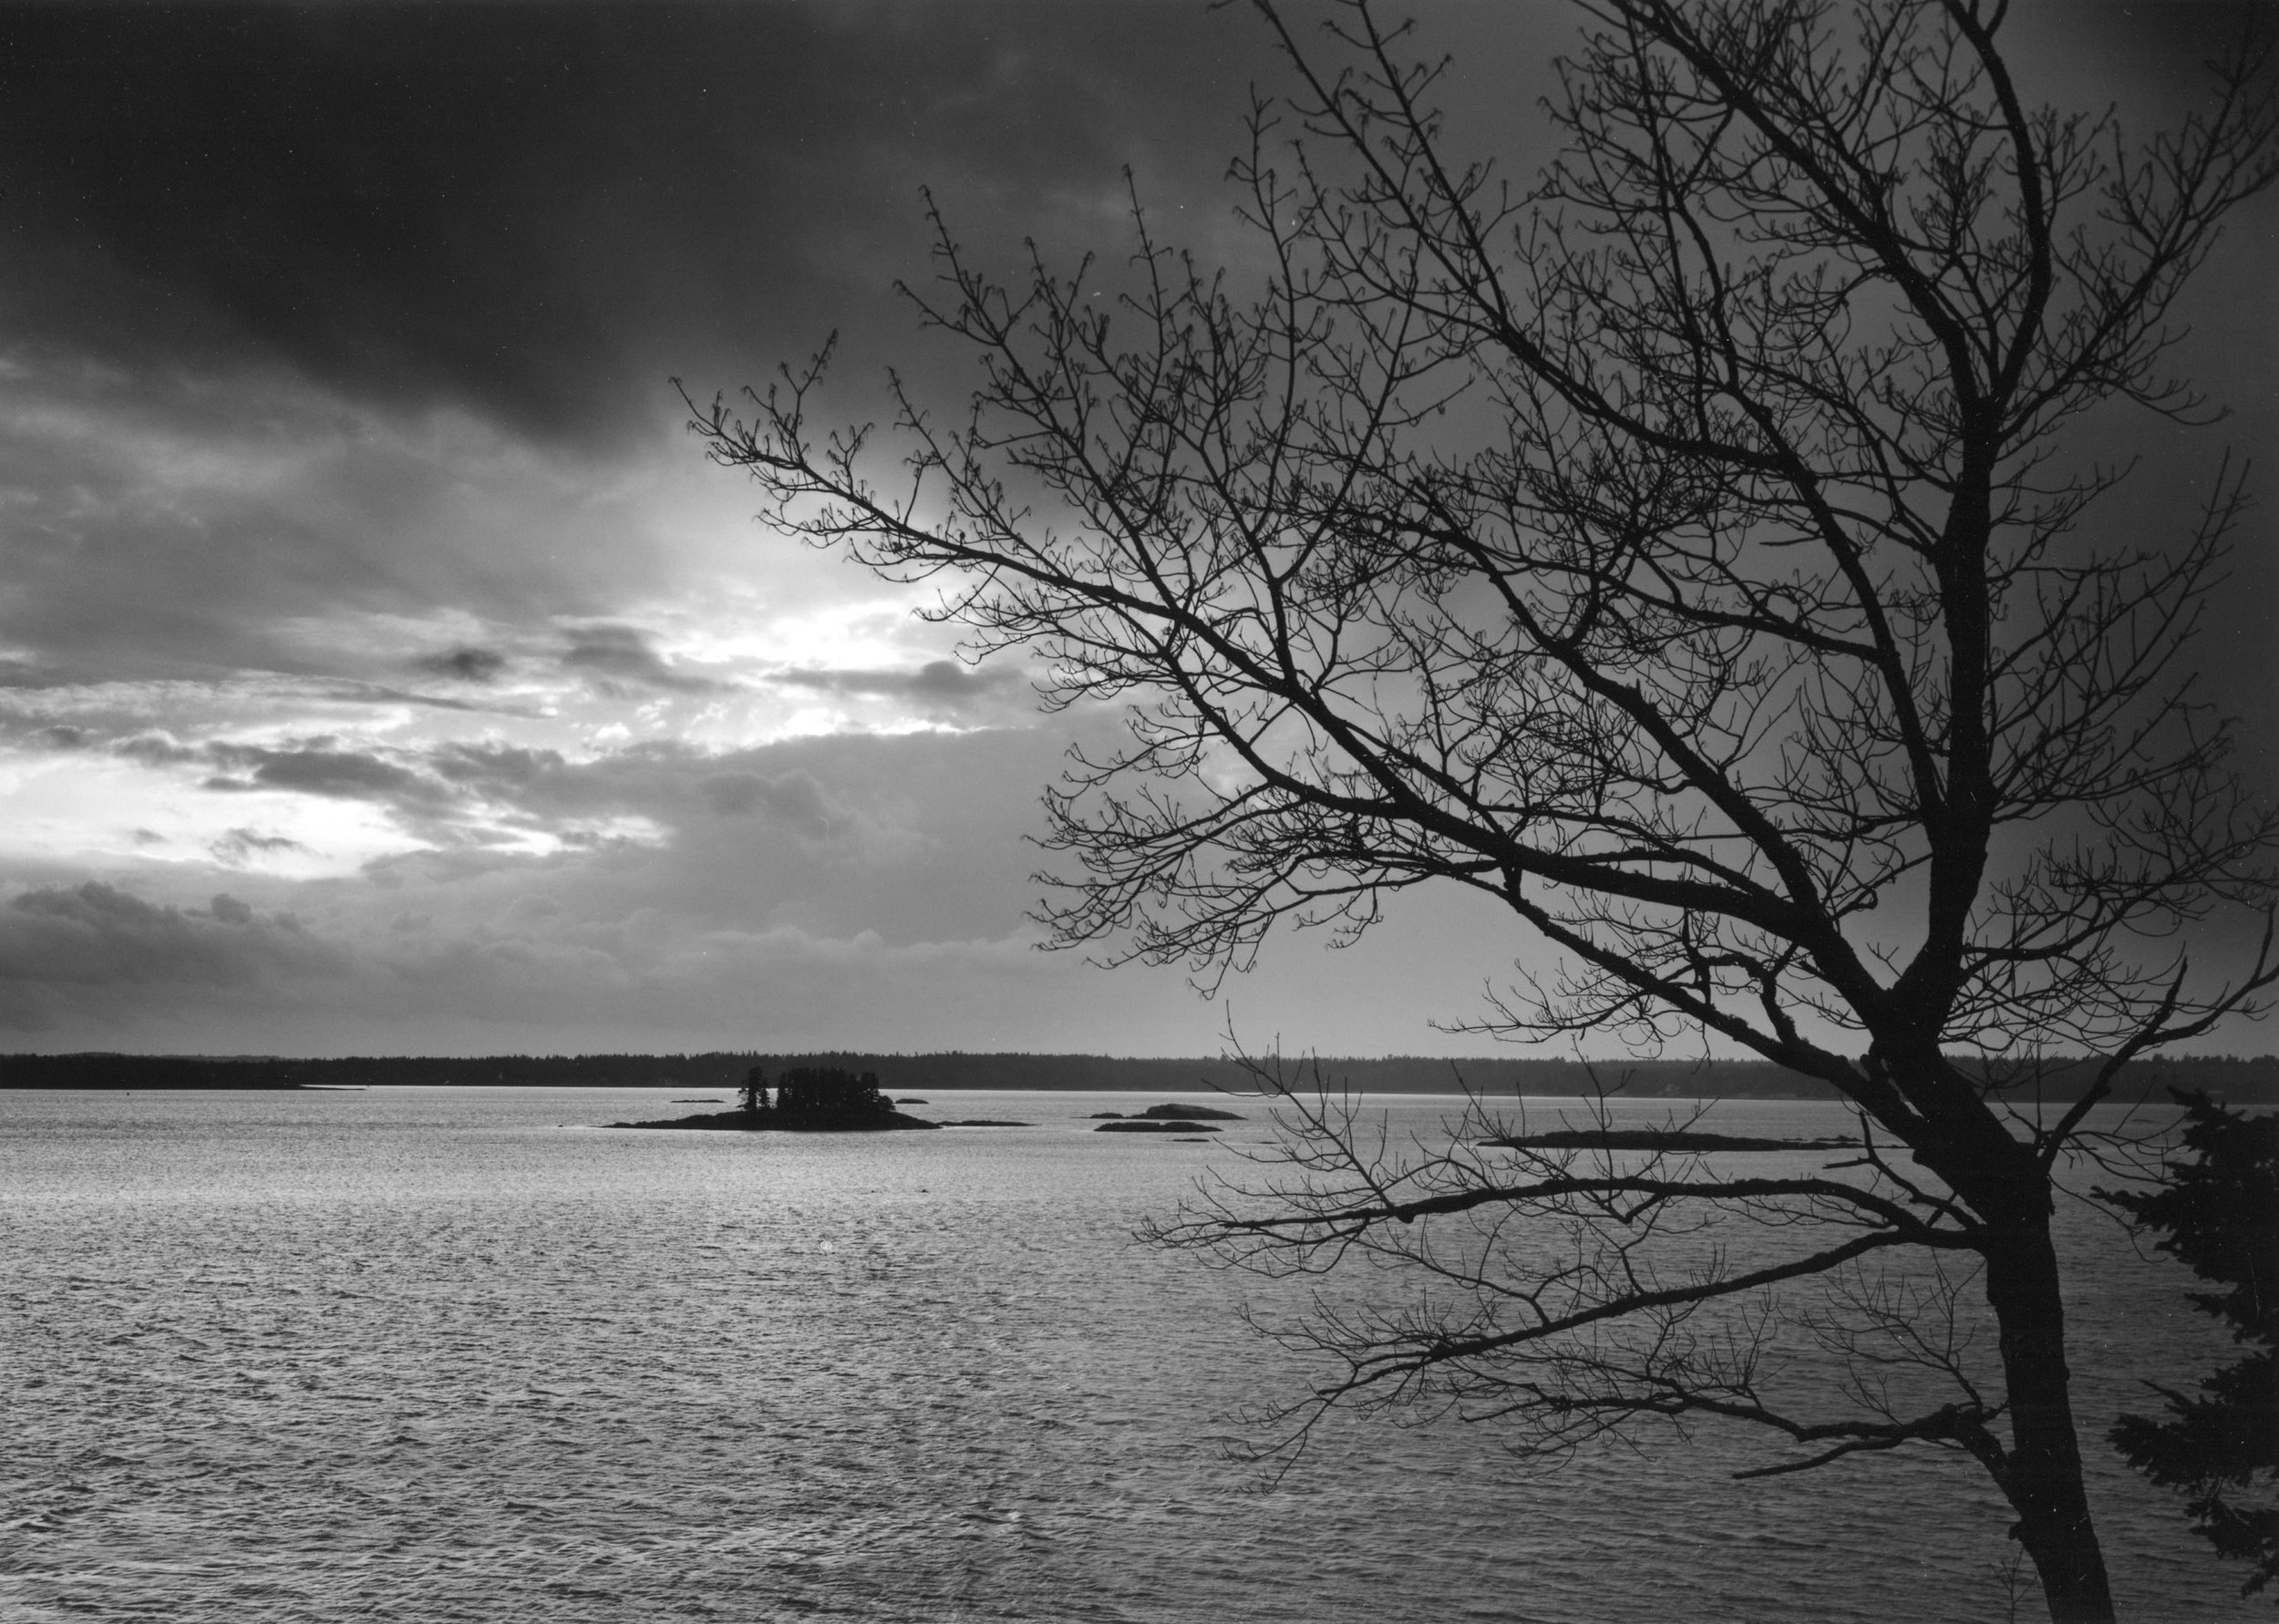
column 381, row 667
column 835, row 890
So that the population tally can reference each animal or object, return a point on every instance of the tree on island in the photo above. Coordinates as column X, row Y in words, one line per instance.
column 1688, row 553
column 813, row 1094
column 2221, row 1212
column 754, row 1091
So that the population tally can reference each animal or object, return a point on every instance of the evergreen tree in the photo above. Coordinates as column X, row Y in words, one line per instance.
column 815, row 1095
column 2221, row 1213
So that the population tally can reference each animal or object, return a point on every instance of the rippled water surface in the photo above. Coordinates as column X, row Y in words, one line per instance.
column 451, row 1354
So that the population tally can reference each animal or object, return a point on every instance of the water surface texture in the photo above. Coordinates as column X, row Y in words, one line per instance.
column 452, row 1354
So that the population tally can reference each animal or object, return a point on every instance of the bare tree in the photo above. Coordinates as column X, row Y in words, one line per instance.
column 1683, row 551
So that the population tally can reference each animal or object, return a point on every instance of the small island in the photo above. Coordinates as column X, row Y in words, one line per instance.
column 1164, row 1119
column 1171, row 1114
column 807, row 1100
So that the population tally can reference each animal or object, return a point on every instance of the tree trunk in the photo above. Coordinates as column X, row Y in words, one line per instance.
column 2043, row 1474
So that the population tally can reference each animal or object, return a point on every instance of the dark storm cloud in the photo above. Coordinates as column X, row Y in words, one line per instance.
column 509, row 767
column 236, row 846
column 166, row 523
column 795, row 797
column 321, row 317
column 347, row 775
column 156, row 750
column 373, row 693
column 452, row 785
column 542, row 210
column 540, row 213
column 94, row 934
column 618, row 658
column 466, row 665
column 937, row 680
column 672, row 783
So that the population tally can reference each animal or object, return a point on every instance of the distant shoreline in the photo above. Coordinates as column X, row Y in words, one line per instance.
column 2237, row 1081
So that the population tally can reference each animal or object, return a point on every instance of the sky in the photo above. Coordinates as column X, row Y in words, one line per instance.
column 383, row 668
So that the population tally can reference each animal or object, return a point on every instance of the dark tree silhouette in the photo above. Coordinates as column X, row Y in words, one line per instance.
column 754, row 1089
column 2221, row 1212
column 808, row 1096
column 1685, row 552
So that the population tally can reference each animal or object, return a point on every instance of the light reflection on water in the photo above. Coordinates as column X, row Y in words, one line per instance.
column 444, row 1354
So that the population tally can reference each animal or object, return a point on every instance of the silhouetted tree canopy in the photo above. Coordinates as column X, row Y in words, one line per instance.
column 806, row 1095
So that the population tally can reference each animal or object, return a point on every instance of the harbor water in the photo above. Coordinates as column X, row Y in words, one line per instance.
column 429, row 1354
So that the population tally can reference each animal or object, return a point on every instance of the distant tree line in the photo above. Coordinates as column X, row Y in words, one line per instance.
column 553, row 1071
column 2236, row 1080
